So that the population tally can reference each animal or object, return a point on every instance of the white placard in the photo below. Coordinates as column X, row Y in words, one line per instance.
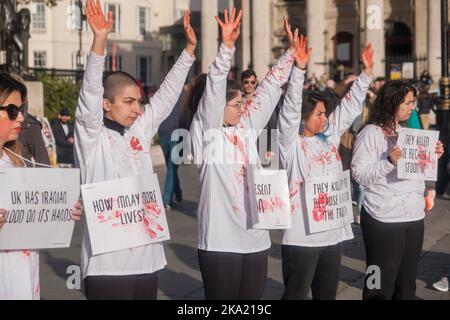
column 125, row 213
column 272, row 207
column 419, row 160
column 39, row 202
column 329, row 202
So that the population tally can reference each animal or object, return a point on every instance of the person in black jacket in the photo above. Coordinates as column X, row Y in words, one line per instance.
column 33, row 146
column 63, row 132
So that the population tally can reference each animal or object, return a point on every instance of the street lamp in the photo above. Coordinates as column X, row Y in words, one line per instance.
column 79, row 71
column 442, row 112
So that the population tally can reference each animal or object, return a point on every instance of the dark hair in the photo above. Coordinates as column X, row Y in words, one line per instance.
column 114, row 82
column 7, row 86
column 310, row 101
column 233, row 89
column 64, row 112
column 387, row 102
column 191, row 105
column 248, row 74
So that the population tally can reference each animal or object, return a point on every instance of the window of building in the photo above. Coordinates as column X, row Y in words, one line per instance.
column 109, row 63
column 143, row 21
column 344, row 48
column 76, row 16
column 144, row 70
column 40, row 59
column 38, row 16
column 115, row 9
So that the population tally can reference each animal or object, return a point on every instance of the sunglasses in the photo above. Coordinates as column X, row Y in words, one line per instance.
column 249, row 82
column 13, row 110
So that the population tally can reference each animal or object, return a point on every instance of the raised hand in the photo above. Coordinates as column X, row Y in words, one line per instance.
column 96, row 19
column 303, row 52
column 231, row 27
column 367, row 59
column 292, row 38
column 191, row 38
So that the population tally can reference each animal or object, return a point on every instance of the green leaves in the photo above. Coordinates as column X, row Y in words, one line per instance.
column 59, row 93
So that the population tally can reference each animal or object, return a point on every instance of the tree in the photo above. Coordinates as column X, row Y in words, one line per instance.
column 59, row 93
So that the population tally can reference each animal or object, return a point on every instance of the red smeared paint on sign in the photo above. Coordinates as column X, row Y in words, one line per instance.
column 321, row 207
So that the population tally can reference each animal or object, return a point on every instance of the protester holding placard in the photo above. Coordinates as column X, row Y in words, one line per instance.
column 232, row 255
column 392, row 217
column 19, row 270
column 112, row 139
column 312, row 259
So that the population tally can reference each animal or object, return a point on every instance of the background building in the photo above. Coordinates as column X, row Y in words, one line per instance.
column 55, row 40
column 148, row 34
column 400, row 31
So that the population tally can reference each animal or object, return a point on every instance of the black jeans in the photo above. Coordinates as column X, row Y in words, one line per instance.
column 311, row 268
column 395, row 248
column 132, row 287
column 233, row 276
column 443, row 125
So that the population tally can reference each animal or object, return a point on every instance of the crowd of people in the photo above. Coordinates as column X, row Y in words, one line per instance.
column 321, row 131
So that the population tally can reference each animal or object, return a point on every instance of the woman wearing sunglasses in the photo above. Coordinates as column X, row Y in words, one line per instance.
column 19, row 276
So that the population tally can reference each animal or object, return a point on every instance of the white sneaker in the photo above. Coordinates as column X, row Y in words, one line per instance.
column 441, row 285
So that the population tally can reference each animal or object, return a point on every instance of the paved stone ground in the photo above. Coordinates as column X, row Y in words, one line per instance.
column 181, row 279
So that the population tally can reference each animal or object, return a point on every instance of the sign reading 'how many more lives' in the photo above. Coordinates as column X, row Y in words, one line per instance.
column 124, row 214
column 329, row 202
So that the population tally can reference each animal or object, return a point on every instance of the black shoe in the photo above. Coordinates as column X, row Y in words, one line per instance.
column 179, row 196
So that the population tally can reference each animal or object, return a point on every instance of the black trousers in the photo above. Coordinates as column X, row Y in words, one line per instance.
column 443, row 125
column 233, row 276
column 311, row 268
column 132, row 287
column 395, row 249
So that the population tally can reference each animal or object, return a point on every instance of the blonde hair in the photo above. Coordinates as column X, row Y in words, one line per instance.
column 8, row 85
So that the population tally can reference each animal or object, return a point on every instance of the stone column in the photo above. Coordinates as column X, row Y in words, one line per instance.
column 210, row 33
column 375, row 34
column 434, row 39
column 315, row 16
column 262, row 45
column 420, row 33
column 243, row 52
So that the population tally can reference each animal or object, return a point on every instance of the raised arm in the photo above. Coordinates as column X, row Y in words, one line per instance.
column 257, row 111
column 210, row 109
column 291, row 111
column 351, row 105
column 89, row 114
column 164, row 100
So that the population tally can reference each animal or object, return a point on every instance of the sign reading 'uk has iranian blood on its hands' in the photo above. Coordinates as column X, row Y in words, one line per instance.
column 38, row 204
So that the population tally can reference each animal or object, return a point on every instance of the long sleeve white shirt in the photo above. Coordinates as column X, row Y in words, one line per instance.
column 105, row 154
column 386, row 198
column 223, row 154
column 311, row 157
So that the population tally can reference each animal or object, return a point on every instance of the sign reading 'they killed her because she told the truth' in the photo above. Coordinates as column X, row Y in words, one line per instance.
column 329, row 202
column 419, row 160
